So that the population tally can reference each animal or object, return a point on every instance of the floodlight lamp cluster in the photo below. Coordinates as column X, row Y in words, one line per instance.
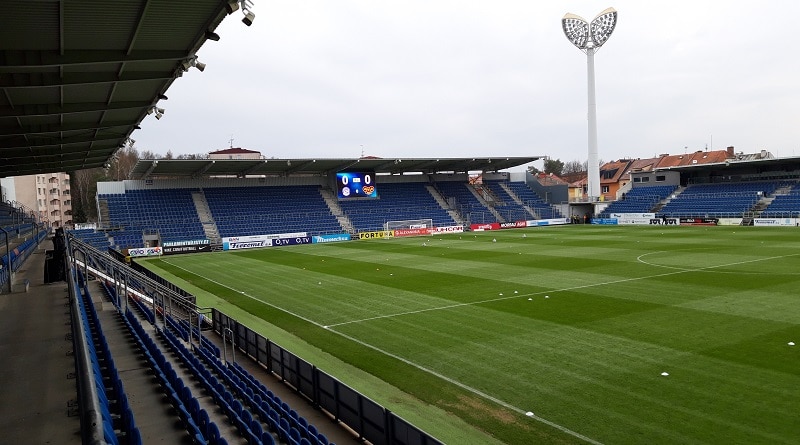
column 585, row 35
column 246, row 5
column 158, row 111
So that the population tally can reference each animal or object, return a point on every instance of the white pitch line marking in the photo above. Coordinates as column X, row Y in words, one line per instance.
column 706, row 269
column 410, row 363
column 583, row 286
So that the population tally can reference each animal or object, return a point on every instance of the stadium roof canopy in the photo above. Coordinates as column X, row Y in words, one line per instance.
column 196, row 168
column 738, row 168
column 78, row 76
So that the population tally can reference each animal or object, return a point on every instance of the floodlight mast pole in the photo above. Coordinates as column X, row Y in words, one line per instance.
column 593, row 164
column 589, row 38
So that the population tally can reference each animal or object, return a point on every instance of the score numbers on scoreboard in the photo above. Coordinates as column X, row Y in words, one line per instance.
column 356, row 185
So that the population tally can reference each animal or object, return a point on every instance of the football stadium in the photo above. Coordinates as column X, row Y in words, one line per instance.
column 385, row 301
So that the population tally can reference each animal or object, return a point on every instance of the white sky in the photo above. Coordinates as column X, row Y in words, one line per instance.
column 436, row 78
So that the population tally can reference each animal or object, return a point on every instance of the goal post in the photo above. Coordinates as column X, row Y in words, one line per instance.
column 409, row 224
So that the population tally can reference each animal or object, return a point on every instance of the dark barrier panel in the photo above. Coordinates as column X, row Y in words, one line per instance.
column 370, row 420
column 404, row 433
column 373, row 420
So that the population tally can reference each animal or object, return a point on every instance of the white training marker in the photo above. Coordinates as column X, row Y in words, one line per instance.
column 547, row 296
column 391, row 274
column 501, row 294
column 530, row 299
column 320, row 282
column 516, row 292
column 791, row 343
column 665, row 373
column 529, row 414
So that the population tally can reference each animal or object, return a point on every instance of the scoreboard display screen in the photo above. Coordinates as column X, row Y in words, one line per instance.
column 356, row 185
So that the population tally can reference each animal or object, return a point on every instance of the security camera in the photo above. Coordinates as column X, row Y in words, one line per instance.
column 248, row 18
column 231, row 6
column 200, row 66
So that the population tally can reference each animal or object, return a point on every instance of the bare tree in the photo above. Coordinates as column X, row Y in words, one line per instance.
column 574, row 166
column 122, row 163
column 83, row 188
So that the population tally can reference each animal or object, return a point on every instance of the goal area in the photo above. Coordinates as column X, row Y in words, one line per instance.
column 409, row 224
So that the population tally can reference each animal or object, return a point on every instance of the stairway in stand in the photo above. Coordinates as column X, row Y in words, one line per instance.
column 206, row 219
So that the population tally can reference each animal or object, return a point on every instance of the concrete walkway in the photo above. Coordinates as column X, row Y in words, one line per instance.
column 38, row 393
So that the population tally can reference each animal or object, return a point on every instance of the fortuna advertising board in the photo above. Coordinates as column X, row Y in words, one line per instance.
column 376, row 235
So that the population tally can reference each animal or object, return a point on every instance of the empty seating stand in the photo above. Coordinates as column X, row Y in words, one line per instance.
column 718, row 200
column 396, row 202
column 784, row 206
column 263, row 210
column 467, row 204
column 639, row 200
column 169, row 212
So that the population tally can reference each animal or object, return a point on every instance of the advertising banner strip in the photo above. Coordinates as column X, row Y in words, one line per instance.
column 193, row 248
column 620, row 216
column 145, row 251
column 238, row 245
column 196, row 242
column 249, row 238
column 448, row 229
column 605, row 221
column 376, row 235
column 291, row 241
column 330, row 238
column 774, row 221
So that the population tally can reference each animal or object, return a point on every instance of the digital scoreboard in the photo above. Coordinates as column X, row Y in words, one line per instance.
column 356, row 185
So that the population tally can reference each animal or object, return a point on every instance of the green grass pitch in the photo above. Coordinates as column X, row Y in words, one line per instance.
column 574, row 324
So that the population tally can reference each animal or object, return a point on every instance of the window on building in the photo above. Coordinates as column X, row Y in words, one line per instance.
column 646, row 179
column 661, row 178
column 65, row 192
column 604, row 189
column 637, row 179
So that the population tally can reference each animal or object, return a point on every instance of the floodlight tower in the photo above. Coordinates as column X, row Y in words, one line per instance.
column 589, row 37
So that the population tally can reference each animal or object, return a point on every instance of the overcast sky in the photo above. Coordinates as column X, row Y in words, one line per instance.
column 435, row 78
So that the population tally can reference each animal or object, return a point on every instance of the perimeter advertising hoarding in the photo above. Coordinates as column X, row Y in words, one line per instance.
column 548, row 222
column 255, row 241
column 330, row 238
column 786, row 222
column 699, row 221
column 376, row 235
column 428, row 231
column 187, row 248
column 633, row 218
column 145, row 251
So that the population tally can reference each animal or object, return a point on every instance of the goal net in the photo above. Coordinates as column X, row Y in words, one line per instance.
column 409, row 224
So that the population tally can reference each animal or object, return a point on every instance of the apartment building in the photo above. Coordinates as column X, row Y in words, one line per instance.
column 46, row 195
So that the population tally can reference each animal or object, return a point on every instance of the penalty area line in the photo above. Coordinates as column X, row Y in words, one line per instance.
column 406, row 361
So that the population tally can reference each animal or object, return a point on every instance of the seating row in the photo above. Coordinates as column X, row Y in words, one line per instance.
column 179, row 395
column 118, row 421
